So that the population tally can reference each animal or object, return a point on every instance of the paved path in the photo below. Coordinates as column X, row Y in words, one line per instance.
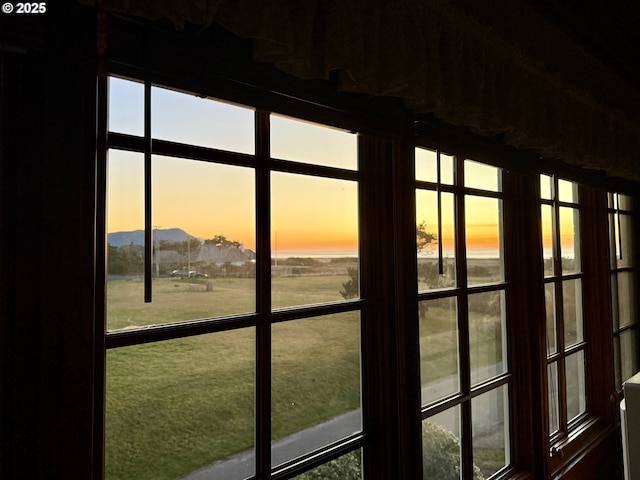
column 241, row 465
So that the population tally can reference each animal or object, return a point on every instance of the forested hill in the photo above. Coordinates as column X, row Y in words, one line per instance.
column 136, row 237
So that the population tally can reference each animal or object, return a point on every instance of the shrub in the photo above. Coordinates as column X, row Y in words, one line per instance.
column 441, row 459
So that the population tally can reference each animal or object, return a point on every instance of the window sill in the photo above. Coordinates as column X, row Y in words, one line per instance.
column 568, row 451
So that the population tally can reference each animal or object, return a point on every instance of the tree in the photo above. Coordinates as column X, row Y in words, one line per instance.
column 424, row 239
column 351, row 288
column 222, row 241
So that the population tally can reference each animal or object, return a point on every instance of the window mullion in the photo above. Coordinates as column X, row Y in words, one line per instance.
column 263, row 296
column 148, row 232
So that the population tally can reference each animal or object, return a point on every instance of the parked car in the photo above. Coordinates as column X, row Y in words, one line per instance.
column 179, row 273
column 196, row 274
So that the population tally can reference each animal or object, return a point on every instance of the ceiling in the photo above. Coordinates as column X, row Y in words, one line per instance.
column 609, row 30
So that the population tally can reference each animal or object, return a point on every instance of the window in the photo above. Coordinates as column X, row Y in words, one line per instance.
column 623, row 278
column 563, row 284
column 233, row 306
column 462, row 306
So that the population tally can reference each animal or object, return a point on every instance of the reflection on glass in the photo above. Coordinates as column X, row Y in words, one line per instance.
column 550, row 304
column 547, row 239
column 314, row 234
column 626, row 298
column 306, row 142
column 629, row 353
column 545, row 187
column 481, row 176
column 176, row 406
column 570, row 239
column 554, row 400
column 126, row 106
column 483, row 221
column 315, row 383
column 572, row 312
column 567, row 191
column 427, row 166
column 490, row 414
column 346, row 467
column 439, row 362
column 487, row 339
column 441, row 452
column 429, row 275
column 576, row 391
column 615, row 314
column 184, row 118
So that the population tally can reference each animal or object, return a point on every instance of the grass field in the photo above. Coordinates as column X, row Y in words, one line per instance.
column 175, row 406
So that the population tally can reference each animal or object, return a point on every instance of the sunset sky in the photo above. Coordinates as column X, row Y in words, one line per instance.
column 309, row 214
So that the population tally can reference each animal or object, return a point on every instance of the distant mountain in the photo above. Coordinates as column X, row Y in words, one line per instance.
column 136, row 237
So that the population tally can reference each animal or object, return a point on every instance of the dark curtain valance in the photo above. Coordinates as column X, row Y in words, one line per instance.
column 441, row 59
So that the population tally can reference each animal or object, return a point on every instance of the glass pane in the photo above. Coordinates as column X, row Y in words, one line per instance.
column 572, row 312
column 427, row 166
column 312, row 143
column 625, row 202
column 547, row 239
column 429, row 275
column 546, row 183
column 441, row 452
column 315, row 383
column 614, row 244
column 487, row 335
column 479, row 175
column 439, row 362
column 625, row 242
column 570, row 239
column 567, row 191
column 203, row 257
column 576, row 391
column 184, row 118
column 490, row 413
column 626, row 298
column 629, row 353
column 178, row 406
column 125, row 213
column 615, row 314
column 554, row 399
column 314, row 224
column 126, row 106
column 483, row 219
column 346, row 467
column 550, row 304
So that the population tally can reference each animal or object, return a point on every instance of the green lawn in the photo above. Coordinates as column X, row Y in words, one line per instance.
column 175, row 406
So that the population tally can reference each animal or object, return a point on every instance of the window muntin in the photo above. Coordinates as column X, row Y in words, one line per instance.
column 463, row 317
column 566, row 342
column 205, row 186
column 623, row 285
